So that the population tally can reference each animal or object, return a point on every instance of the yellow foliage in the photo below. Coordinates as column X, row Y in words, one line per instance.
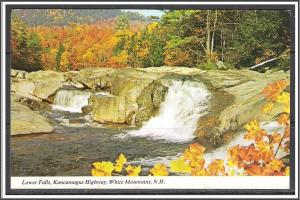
column 287, row 171
column 159, row 170
column 102, row 168
column 133, row 170
column 267, row 107
column 180, row 165
column 252, row 126
column 120, row 162
column 151, row 27
column 284, row 98
column 275, row 165
column 254, row 131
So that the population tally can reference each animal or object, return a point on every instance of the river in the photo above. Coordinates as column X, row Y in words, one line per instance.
column 78, row 140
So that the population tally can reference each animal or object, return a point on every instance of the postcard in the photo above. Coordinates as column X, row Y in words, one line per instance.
column 152, row 98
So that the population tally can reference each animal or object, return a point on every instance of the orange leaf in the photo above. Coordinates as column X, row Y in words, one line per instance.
column 274, row 89
column 257, row 170
column 283, row 119
column 194, row 154
column 275, row 165
column 216, row 167
column 265, row 152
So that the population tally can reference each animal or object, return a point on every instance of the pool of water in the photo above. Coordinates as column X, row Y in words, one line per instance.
column 70, row 150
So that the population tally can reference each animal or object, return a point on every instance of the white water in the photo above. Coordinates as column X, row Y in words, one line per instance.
column 220, row 153
column 71, row 100
column 184, row 104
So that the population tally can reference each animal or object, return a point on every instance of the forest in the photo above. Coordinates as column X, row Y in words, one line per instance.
column 65, row 40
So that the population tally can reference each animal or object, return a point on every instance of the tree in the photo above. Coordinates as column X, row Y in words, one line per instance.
column 261, row 35
column 59, row 53
column 26, row 47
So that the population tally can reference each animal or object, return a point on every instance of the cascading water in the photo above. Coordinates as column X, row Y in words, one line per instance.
column 185, row 103
column 71, row 100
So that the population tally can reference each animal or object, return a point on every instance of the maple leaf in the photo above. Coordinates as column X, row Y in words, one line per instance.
column 254, row 131
column 257, row 170
column 102, row 168
column 233, row 155
column 246, row 154
column 201, row 172
column 284, row 119
column 194, row 155
column 216, row 167
column 274, row 89
column 252, row 126
column 159, row 170
column 120, row 162
column 197, row 164
column 180, row 165
column 133, row 170
column 265, row 152
column 275, row 165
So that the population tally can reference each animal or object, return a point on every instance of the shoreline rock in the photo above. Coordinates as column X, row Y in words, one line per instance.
column 26, row 121
column 135, row 95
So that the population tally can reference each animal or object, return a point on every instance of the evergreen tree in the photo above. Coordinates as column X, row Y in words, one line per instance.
column 59, row 53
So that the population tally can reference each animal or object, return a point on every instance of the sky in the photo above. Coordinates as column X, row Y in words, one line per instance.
column 157, row 13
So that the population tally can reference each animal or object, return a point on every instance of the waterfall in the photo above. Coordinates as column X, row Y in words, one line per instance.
column 184, row 104
column 71, row 100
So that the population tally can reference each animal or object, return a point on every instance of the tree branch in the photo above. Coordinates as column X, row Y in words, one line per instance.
column 262, row 63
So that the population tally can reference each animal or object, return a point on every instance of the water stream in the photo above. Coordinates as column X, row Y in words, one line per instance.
column 184, row 104
column 78, row 141
column 71, row 100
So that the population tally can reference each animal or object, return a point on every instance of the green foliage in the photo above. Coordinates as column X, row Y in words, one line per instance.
column 26, row 47
column 260, row 36
column 192, row 38
column 59, row 53
column 122, row 22
column 284, row 61
column 209, row 65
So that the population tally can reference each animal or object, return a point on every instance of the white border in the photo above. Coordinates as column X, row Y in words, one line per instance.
column 3, row 103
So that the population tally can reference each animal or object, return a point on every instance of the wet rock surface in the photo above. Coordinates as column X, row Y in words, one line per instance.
column 132, row 96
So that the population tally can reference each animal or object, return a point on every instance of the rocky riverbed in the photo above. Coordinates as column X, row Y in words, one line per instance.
column 130, row 97
column 150, row 114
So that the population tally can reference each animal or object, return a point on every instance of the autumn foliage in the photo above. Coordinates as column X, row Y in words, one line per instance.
column 260, row 158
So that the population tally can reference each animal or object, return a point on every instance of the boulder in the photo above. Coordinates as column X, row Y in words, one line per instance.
column 23, row 88
column 47, row 90
column 46, row 76
column 239, row 114
column 25, row 121
column 245, row 87
column 149, row 102
column 135, row 97
column 93, row 78
column 87, row 109
column 45, row 84
column 109, row 109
